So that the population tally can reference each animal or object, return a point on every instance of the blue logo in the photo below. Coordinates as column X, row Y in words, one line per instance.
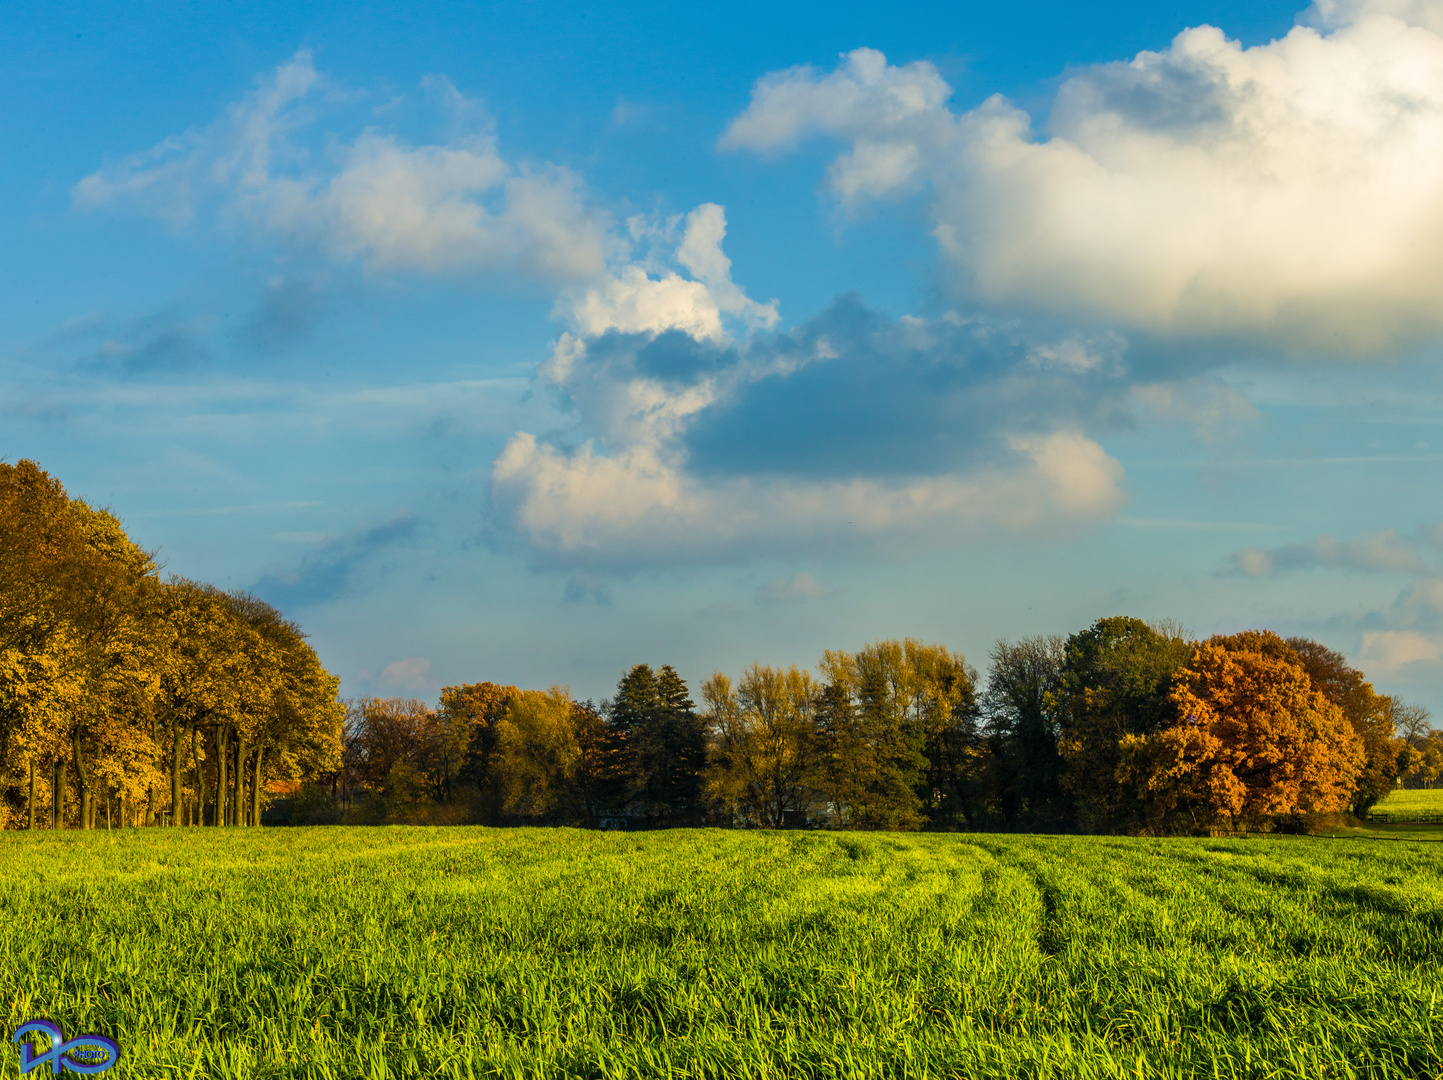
column 82, row 1054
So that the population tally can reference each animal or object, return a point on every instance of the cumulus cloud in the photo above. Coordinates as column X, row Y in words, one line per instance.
column 1379, row 551
column 640, row 507
column 851, row 432
column 1292, row 190
column 459, row 206
column 650, row 296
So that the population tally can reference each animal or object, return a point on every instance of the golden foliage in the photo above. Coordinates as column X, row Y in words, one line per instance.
column 1252, row 738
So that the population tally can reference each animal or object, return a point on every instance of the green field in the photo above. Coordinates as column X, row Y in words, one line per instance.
column 414, row 952
column 1418, row 805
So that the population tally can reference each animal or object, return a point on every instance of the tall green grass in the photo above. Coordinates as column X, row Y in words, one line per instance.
column 1404, row 805
column 461, row 952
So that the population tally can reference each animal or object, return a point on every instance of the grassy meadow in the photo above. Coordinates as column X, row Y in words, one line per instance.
column 460, row 952
column 1416, row 805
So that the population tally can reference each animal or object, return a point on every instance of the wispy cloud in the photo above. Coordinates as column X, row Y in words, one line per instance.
column 373, row 198
column 336, row 566
column 412, row 673
column 1385, row 551
column 793, row 590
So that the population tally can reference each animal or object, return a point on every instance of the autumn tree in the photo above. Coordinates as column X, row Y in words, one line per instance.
column 296, row 719
column 75, row 600
column 109, row 674
column 42, row 674
column 475, row 709
column 1251, row 737
column 539, row 754
column 764, row 760
column 898, row 740
column 1374, row 718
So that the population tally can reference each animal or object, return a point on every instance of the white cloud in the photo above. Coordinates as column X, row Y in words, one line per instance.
column 413, row 673
column 639, row 505
column 1214, row 410
column 1391, row 650
column 1381, row 551
column 632, row 301
column 1292, row 189
column 454, row 207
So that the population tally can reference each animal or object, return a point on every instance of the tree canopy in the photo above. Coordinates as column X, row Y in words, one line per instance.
column 152, row 698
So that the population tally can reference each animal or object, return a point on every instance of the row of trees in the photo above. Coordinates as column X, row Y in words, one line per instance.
column 129, row 699
column 142, row 700
column 1123, row 727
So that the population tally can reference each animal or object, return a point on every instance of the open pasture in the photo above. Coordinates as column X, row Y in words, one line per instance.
column 1420, row 804
column 411, row 952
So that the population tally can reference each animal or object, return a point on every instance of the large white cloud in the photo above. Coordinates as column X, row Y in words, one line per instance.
column 630, row 495
column 640, row 506
column 460, row 206
column 1292, row 190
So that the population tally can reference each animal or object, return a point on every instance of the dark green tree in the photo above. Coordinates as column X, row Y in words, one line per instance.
column 660, row 747
column 1021, row 706
column 1117, row 676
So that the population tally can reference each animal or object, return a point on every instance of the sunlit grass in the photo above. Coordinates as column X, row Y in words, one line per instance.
column 1415, row 805
column 395, row 952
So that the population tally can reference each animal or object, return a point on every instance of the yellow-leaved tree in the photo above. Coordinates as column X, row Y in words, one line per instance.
column 765, row 758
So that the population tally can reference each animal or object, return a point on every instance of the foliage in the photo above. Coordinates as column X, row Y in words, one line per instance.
column 1251, row 738
column 1021, row 708
column 175, row 702
column 765, row 757
column 539, row 753
column 109, row 677
column 1115, row 683
column 658, row 747
column 1370, row 714
column 456, row 953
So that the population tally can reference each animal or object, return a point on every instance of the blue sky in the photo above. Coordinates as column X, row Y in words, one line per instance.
column 522, row 342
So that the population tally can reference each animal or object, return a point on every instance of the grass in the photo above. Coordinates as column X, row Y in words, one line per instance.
column 460, row 952
column 1409, row 805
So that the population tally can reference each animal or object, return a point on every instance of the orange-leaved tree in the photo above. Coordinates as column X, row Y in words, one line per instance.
column 1252, row 738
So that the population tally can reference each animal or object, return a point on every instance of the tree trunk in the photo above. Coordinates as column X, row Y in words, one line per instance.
column 176, row 731
column 81, row 779
column 256, row 788
column 240, row 782
column 32, row 795
column 220, row 790
column 57, row 793
column 199, row 779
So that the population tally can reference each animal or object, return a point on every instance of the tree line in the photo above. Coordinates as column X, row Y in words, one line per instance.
column 128, row 699
column 1125, row 727
column 131, row 699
